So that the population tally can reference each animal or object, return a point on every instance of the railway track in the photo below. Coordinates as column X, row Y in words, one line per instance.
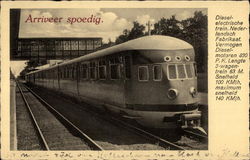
column 160, row 141
column 107, row 145
column 140, row 131
column 137, row 130
column 191, row 140
column 164, row 144
column 196, row 136
column 52, row 134
column 186, row 143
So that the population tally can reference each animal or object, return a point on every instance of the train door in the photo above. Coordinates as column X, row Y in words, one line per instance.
column 127, row 74
column 110, row 83
column 140, row 88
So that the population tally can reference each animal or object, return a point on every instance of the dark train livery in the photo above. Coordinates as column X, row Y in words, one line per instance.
column 150, row 79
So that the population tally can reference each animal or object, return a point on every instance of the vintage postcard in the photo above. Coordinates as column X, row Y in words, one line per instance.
column 125, row 80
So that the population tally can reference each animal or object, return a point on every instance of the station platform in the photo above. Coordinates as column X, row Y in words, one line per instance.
column 13, row 130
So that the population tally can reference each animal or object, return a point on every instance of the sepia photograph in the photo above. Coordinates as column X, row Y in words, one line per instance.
column 125, row 80
column 108, row 79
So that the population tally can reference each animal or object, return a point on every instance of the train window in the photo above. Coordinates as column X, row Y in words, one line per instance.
column 102, row 72
column 73, row 72
column 76, row 72
column 181, row 71
column 68, row 72
column 189, row 70
column 157, row 73
column 172, row 72
column 143, row 73
column 127, row 67
column 65, row 72
column 48, row 75
column 92, row 70
column 115, row 72
column 52, row 74
column 84, row 71
column 61, row 73
column 56, row 74
column 102, row 69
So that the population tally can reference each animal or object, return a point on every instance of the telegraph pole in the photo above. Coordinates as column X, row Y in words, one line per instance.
column 149, row 27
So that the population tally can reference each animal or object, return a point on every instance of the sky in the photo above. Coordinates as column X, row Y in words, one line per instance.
column 112, row 22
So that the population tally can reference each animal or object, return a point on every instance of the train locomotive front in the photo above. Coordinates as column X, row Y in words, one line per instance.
column 163, row 90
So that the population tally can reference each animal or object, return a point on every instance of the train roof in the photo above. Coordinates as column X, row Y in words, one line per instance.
column 154, row 42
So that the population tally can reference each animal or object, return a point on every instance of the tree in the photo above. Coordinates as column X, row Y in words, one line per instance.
column 122, row 38
column 136, row 32
column 170, row 27
column 195, row 32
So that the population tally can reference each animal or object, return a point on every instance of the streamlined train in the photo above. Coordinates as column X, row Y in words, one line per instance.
column 151, row 79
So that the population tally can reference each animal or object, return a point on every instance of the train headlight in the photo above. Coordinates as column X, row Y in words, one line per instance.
column 172, row 93
column 193, row 92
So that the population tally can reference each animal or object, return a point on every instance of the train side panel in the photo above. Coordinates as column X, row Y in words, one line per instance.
column 68, row 87
column 103, row 92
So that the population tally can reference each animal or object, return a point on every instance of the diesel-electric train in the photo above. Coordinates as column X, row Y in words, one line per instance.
column 151, row 79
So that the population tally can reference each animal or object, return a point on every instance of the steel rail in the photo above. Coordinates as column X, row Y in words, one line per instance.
column 162, row 142
column 91, row 142
column 195, row 135
column 42, row 138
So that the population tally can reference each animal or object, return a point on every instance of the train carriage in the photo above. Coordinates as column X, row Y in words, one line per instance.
column 151, row 79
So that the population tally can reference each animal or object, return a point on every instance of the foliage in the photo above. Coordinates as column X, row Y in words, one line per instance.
column 192, row 30
column 136, row 32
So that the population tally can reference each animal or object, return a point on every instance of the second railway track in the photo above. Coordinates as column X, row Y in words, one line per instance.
column 53, row 135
